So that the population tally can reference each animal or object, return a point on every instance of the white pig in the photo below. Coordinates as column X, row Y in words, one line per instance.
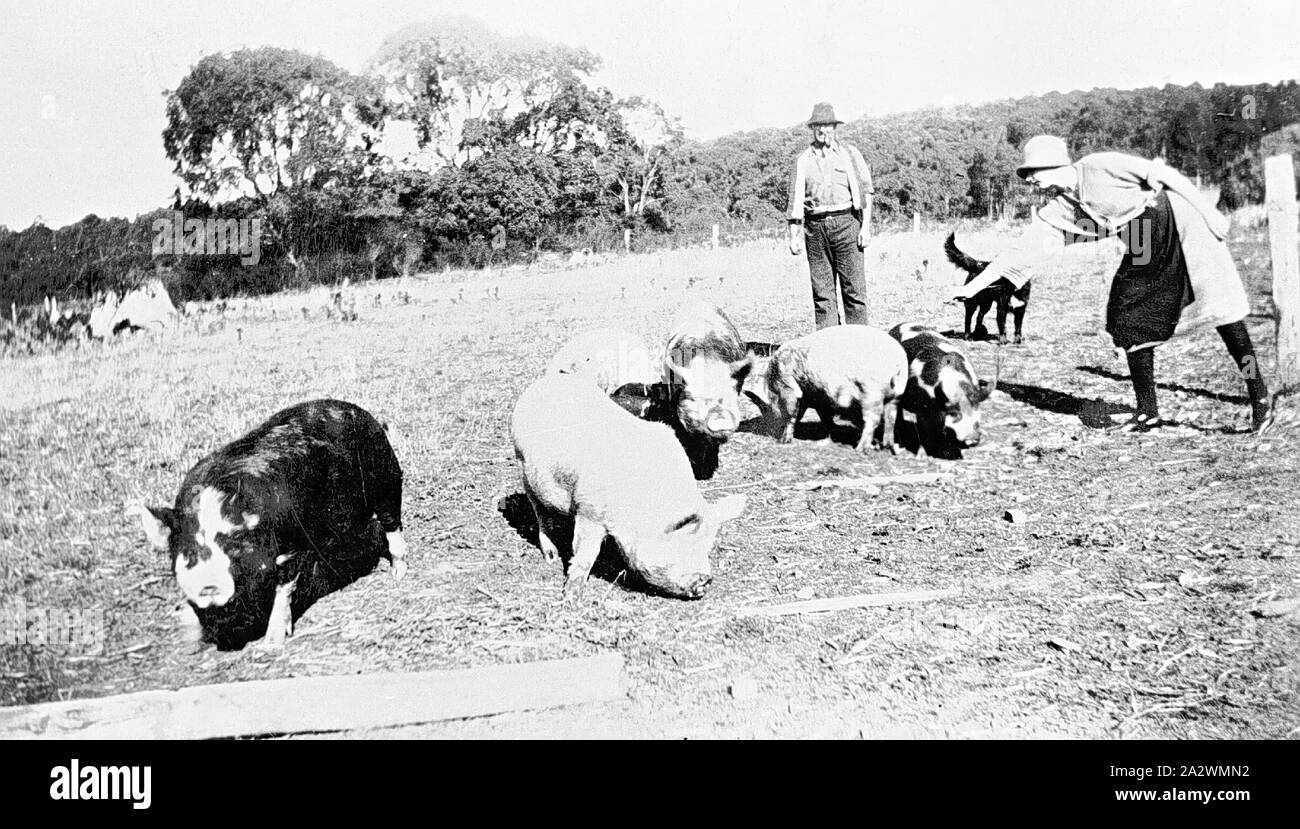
column 854, row 369
column 587, row 459
column 612, row 357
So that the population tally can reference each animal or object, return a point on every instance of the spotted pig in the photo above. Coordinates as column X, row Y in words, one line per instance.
column 943, row 393
column 294, row 498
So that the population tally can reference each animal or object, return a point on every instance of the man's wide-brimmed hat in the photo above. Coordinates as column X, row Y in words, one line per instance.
column 823, row 113
column 1043, row 152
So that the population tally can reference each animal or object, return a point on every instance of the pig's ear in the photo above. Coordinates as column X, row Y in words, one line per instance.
column 728, row 508
column 741, row 368
column 158, row 523
column 659, row 393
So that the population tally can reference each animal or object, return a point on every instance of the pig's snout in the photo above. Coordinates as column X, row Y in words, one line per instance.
column 721, row 421
column 964, row 431
column 696, row 586
column 211, row 595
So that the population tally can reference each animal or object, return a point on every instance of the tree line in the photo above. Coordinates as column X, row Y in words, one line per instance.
column 456, row 146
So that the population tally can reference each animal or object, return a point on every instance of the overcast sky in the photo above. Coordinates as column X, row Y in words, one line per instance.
column 81, row 83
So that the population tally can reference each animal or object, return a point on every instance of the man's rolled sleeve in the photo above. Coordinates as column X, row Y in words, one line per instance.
column 864, row 173
column 794, row 213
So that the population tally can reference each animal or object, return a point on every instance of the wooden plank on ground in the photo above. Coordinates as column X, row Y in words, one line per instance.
column 876, row 480
column 321, row 703
column 847, row 602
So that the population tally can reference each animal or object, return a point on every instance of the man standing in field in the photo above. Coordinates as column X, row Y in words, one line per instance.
column 830, row 213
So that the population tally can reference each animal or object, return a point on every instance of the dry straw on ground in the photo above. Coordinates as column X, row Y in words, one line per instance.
column 1125, row 606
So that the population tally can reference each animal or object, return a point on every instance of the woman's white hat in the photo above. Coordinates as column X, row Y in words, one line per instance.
column 1043, row 152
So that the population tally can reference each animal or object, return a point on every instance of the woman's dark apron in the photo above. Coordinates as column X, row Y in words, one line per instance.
column 1151, row 287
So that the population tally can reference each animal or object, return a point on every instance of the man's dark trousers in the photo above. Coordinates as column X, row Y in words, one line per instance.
column 832, row 246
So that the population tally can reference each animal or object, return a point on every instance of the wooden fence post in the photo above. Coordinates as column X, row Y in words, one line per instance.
column 627, row 241
column 1280, row 198
column 916, row 224
column 715, row 237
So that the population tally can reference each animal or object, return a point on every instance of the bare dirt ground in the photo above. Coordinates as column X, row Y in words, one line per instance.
column 1133, row 602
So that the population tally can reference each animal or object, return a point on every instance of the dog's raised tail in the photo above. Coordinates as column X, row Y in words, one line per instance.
column 969, row 264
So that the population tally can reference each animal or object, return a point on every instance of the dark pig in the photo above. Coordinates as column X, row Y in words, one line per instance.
column 297, row 493
column 706, row 363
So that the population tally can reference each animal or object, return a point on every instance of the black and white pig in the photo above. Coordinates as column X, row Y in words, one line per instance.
column 295, row 495
column 854, row 369
column 705, row 363
column 943, row 391
column 588, row 461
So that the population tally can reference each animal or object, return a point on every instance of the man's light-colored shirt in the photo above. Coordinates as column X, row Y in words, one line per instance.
column 835, row 177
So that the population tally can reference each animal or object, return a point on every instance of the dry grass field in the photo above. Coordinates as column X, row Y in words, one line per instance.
column 1132, row 603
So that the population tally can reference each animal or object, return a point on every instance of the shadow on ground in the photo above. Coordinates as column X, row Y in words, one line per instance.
column 610, row 565
column 907, row 438
column 812, row 430
column 976, row 337
column 1095, row 413
column 1092, row 412
column 1212, row 395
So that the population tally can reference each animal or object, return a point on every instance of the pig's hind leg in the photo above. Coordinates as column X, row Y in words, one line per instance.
column 397, row 553
column 384, row 483
column 888, row 420
column 870, row 405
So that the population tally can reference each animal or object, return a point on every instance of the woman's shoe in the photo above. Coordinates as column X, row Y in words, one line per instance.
column 1140, row 423
column 1262, row 415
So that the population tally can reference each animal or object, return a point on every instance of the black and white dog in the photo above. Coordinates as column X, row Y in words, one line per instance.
column 1002, row 292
